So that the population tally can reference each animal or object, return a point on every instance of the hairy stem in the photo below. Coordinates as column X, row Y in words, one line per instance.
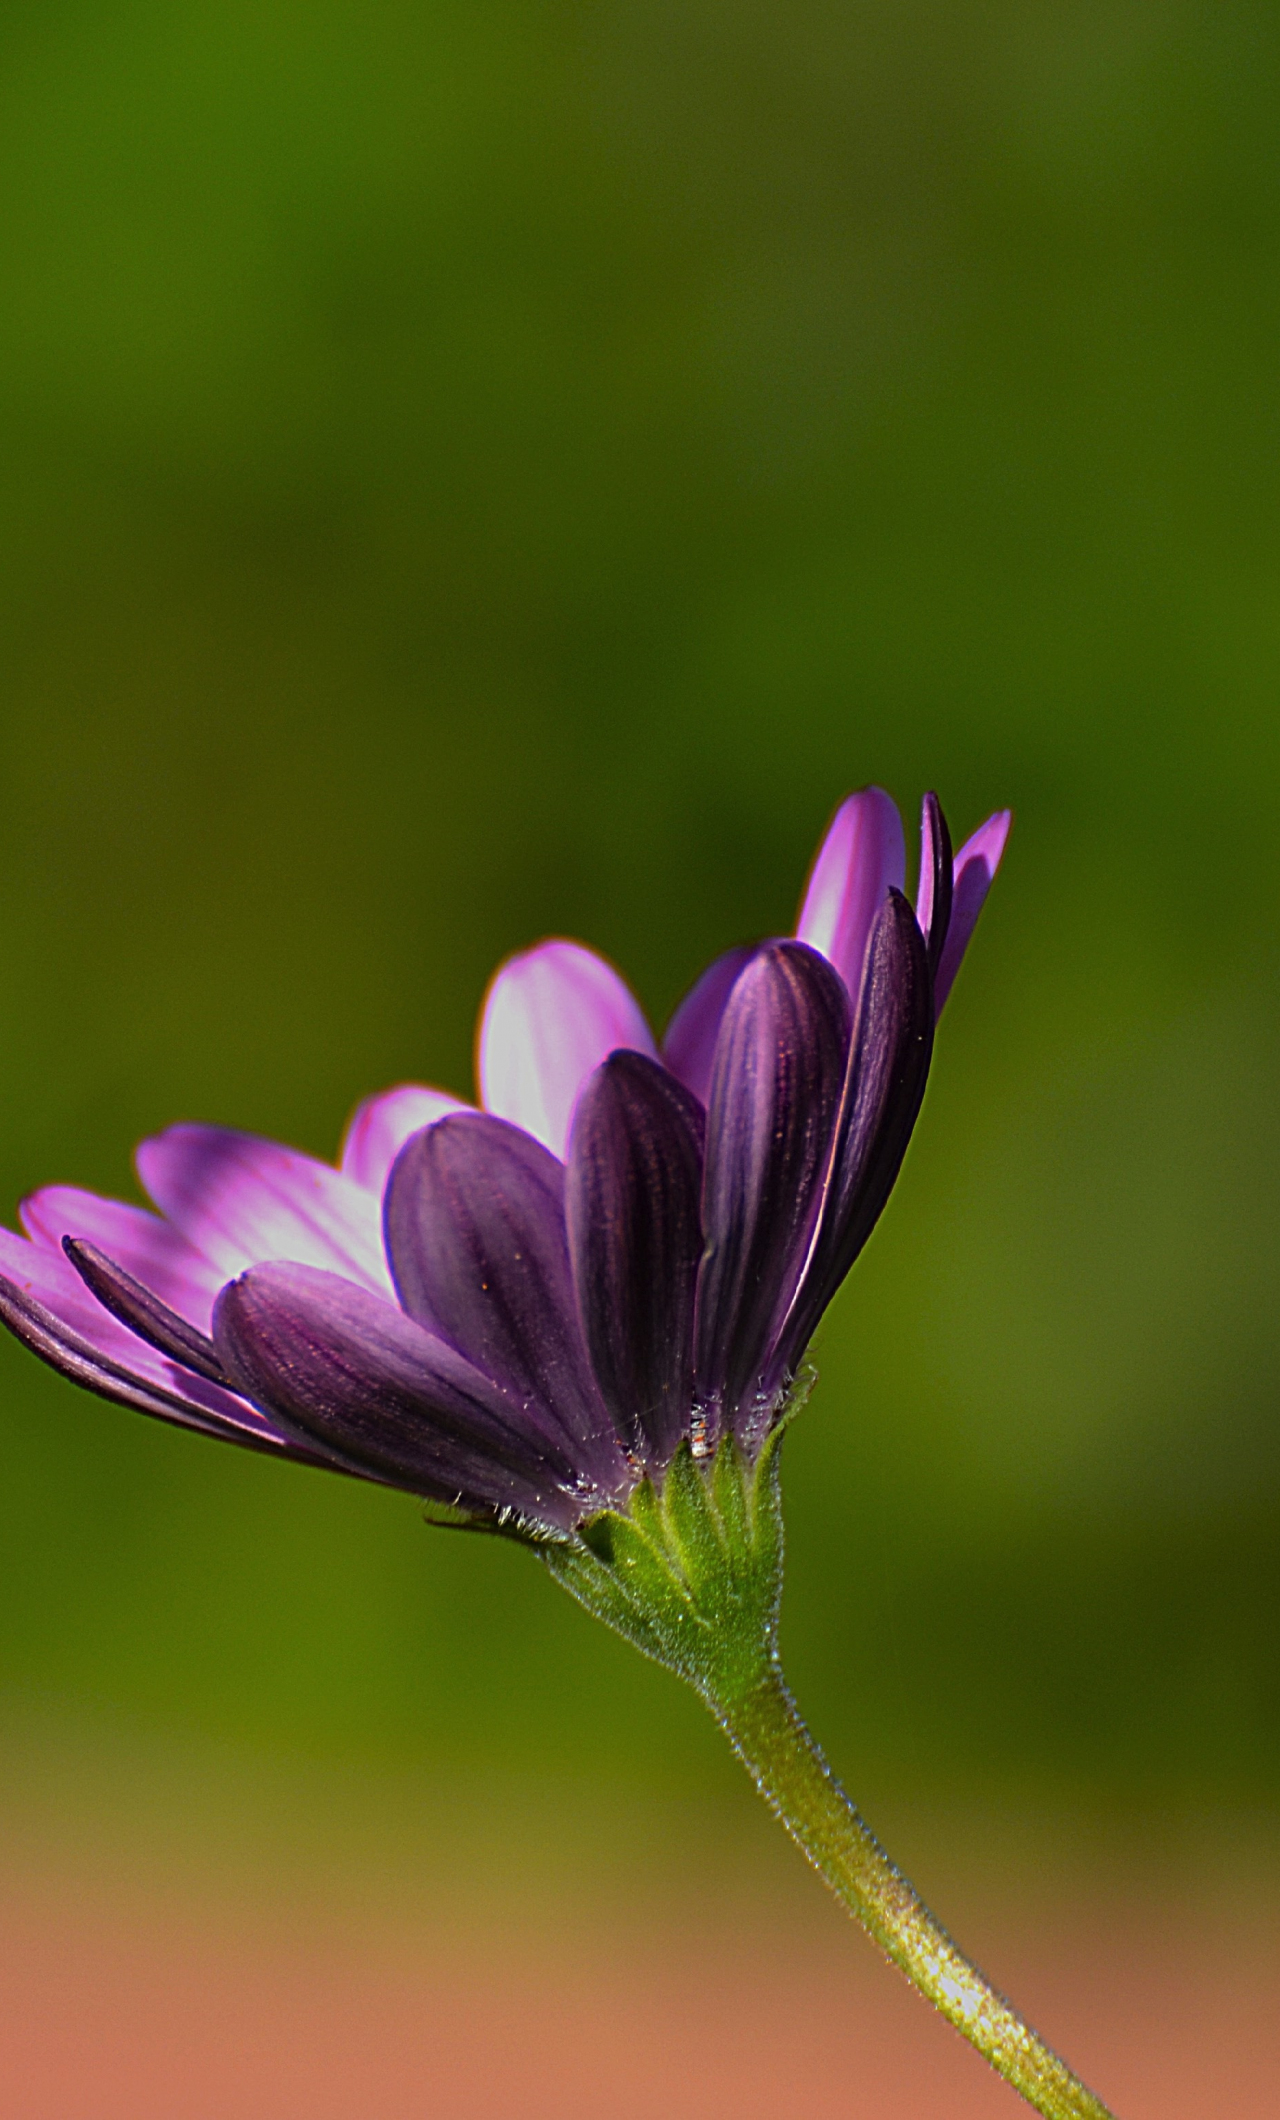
column 764, row 1727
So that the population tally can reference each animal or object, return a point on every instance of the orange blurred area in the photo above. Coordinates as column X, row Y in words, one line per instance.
column 194, row 1932
column 119, row 2005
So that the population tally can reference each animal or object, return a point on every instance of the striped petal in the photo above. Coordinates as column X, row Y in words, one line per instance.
column 635, row 1239
column 241, row 1201
column 475, row 1232
column 775, row 1095
column 346, row 1370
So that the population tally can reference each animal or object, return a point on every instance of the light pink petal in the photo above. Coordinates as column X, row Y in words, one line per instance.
column 690, row 1042
column 152, row 1250
column 863, row 854
column 974, row 871
column 48, row 1307
column 381, row 1125
column 243, row 1201
column 549, row 1018
column 50, row 1277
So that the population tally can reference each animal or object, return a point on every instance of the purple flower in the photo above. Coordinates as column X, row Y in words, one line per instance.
column 519, row 1311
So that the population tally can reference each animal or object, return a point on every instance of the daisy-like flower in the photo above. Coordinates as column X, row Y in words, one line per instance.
column 519, row 1311
column 576, row 1313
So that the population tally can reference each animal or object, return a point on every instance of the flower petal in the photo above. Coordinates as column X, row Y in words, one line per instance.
column 635, row 1238
column 345, row 1369
column 241, row 1200
column 689, row 1047
column 379, row 1128
column 474, row 1218
column 149, row 1248
column 550, row 1017
column 142, row 1312
column 933, row 897
column 775, row 1095
column 46, row 1306
column 862, row 856
column 888, row 1066
column 975, row 868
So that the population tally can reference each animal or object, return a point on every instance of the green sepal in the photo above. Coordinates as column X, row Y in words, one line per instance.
column 691, row 1572
column 446, row 1517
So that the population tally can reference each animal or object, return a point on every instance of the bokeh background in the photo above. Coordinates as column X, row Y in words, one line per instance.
column 473, row 471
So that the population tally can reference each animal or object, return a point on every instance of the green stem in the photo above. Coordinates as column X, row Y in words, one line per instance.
column 764, row 1727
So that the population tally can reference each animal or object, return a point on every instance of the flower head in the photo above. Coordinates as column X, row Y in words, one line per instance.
column 520, row 1311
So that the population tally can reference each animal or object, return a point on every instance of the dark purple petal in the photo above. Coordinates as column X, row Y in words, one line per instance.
column 888, row 1066
column 775, row 1095
column 635, row 1238
column 933, row 898
column 475, row 1232
column 975, row 868
column 344, row 1369
column 689, row 1047
column 143, row 1312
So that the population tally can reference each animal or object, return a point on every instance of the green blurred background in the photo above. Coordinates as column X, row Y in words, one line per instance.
column 475, row 471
